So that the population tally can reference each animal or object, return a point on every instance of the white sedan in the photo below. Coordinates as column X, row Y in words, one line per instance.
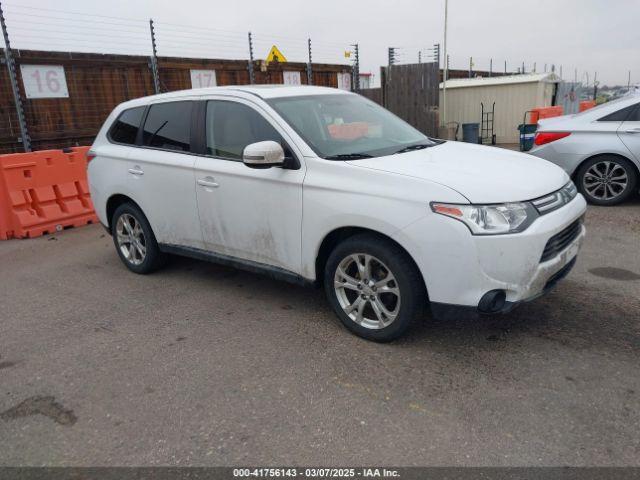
column 599, row 148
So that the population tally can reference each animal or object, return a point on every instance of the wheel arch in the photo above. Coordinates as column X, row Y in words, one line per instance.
column 114, row 202
column 340, row 234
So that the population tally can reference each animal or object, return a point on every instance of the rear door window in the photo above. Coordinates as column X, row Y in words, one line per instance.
column 168, row 126
column 125, row 128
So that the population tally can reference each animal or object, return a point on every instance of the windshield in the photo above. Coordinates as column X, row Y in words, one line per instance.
column 347, row 127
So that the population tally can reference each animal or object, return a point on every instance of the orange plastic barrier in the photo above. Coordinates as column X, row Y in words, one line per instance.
column 43, row 192
column 586, row 105
column 545, row 112
column 349, row 131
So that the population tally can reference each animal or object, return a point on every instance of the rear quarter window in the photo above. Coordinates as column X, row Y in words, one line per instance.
column 125, row 128
column 622, row 115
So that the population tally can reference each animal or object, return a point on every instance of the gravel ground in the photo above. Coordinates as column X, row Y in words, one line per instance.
column 204, row 365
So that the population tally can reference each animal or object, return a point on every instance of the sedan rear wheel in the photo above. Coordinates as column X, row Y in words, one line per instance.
column 606, row 180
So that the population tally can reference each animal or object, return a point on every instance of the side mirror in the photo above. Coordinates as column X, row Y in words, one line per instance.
column 263, row 155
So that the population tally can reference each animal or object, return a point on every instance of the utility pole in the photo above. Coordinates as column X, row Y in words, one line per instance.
column 252, row 75
column 490, row 67
column 356, row 69
column 629, row 82
column 446, row 66
column 470, row 66
column 595, row 85
column 505, row 67
column 154, row 59
column 522, row 68
column 11, row 66
column 309, row 64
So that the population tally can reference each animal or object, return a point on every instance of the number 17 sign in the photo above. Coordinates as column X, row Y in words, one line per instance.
column 203, row 78
column 44, row 81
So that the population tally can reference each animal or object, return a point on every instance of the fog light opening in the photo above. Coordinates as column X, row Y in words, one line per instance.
column 492, row 301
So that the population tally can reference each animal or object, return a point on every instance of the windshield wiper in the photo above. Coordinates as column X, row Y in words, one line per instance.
column 411, row 148
column 349, row 156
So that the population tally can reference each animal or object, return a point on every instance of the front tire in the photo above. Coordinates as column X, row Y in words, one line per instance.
column 134, row 240
column 606, row 180
column 374, row 287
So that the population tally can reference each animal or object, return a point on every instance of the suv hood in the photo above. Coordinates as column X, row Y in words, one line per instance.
column 482, row 174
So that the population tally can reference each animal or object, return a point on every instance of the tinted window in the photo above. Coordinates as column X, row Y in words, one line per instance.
column 125, row 128
column 635, row 115
column 232, row 126
column 168, row 126
column 621, row 115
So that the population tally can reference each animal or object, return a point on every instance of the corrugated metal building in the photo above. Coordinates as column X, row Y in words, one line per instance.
column 514, row 95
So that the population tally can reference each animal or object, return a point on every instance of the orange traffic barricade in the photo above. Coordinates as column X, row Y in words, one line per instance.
column 44, row 192
column 586, row 105
column 545, row 112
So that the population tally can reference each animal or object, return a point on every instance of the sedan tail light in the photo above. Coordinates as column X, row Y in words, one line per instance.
column 543, row 138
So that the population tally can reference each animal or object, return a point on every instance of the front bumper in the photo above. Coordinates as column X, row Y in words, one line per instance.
column 460, row 268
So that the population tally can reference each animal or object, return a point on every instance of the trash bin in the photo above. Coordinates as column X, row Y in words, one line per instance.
column 527, row 135
column 470, row 132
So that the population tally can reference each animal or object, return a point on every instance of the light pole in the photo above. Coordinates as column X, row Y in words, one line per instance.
column 446, row 67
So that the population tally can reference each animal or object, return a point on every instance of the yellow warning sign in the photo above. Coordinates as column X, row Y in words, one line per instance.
column 275, row 55
column 347, row 54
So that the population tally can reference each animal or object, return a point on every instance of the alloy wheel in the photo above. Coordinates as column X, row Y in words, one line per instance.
column 605, row 180
column 131, row 239
column 367, row 291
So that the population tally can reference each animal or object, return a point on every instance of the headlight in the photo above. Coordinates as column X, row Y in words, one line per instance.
column 490, row 219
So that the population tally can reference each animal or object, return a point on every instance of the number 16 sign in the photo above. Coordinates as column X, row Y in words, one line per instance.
column 44, row 81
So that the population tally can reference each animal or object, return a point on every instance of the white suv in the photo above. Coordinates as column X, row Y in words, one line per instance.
column 319, row 186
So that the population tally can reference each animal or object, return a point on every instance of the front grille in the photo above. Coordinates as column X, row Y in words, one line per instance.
column 560, row 240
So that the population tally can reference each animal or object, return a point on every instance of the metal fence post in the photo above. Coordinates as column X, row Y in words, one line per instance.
column 252, row 75
column 11, row 66
column 356, row 69
column 309, row 64
column 154, row 59
column 436, row 53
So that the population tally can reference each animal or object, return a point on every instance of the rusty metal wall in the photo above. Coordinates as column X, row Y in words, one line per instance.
column 98, row 82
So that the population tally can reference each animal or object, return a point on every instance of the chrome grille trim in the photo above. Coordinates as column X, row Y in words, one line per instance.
column 555, row 200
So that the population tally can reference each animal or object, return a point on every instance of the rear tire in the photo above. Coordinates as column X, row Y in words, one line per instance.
column 134, row 240
column 606, row 180
column 374, row 287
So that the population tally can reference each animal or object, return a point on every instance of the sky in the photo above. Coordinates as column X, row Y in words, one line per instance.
column 596, row 37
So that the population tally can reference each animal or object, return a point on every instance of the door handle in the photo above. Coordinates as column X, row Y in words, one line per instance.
column 136, row 171
column 633, row 130
column 208, row 182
